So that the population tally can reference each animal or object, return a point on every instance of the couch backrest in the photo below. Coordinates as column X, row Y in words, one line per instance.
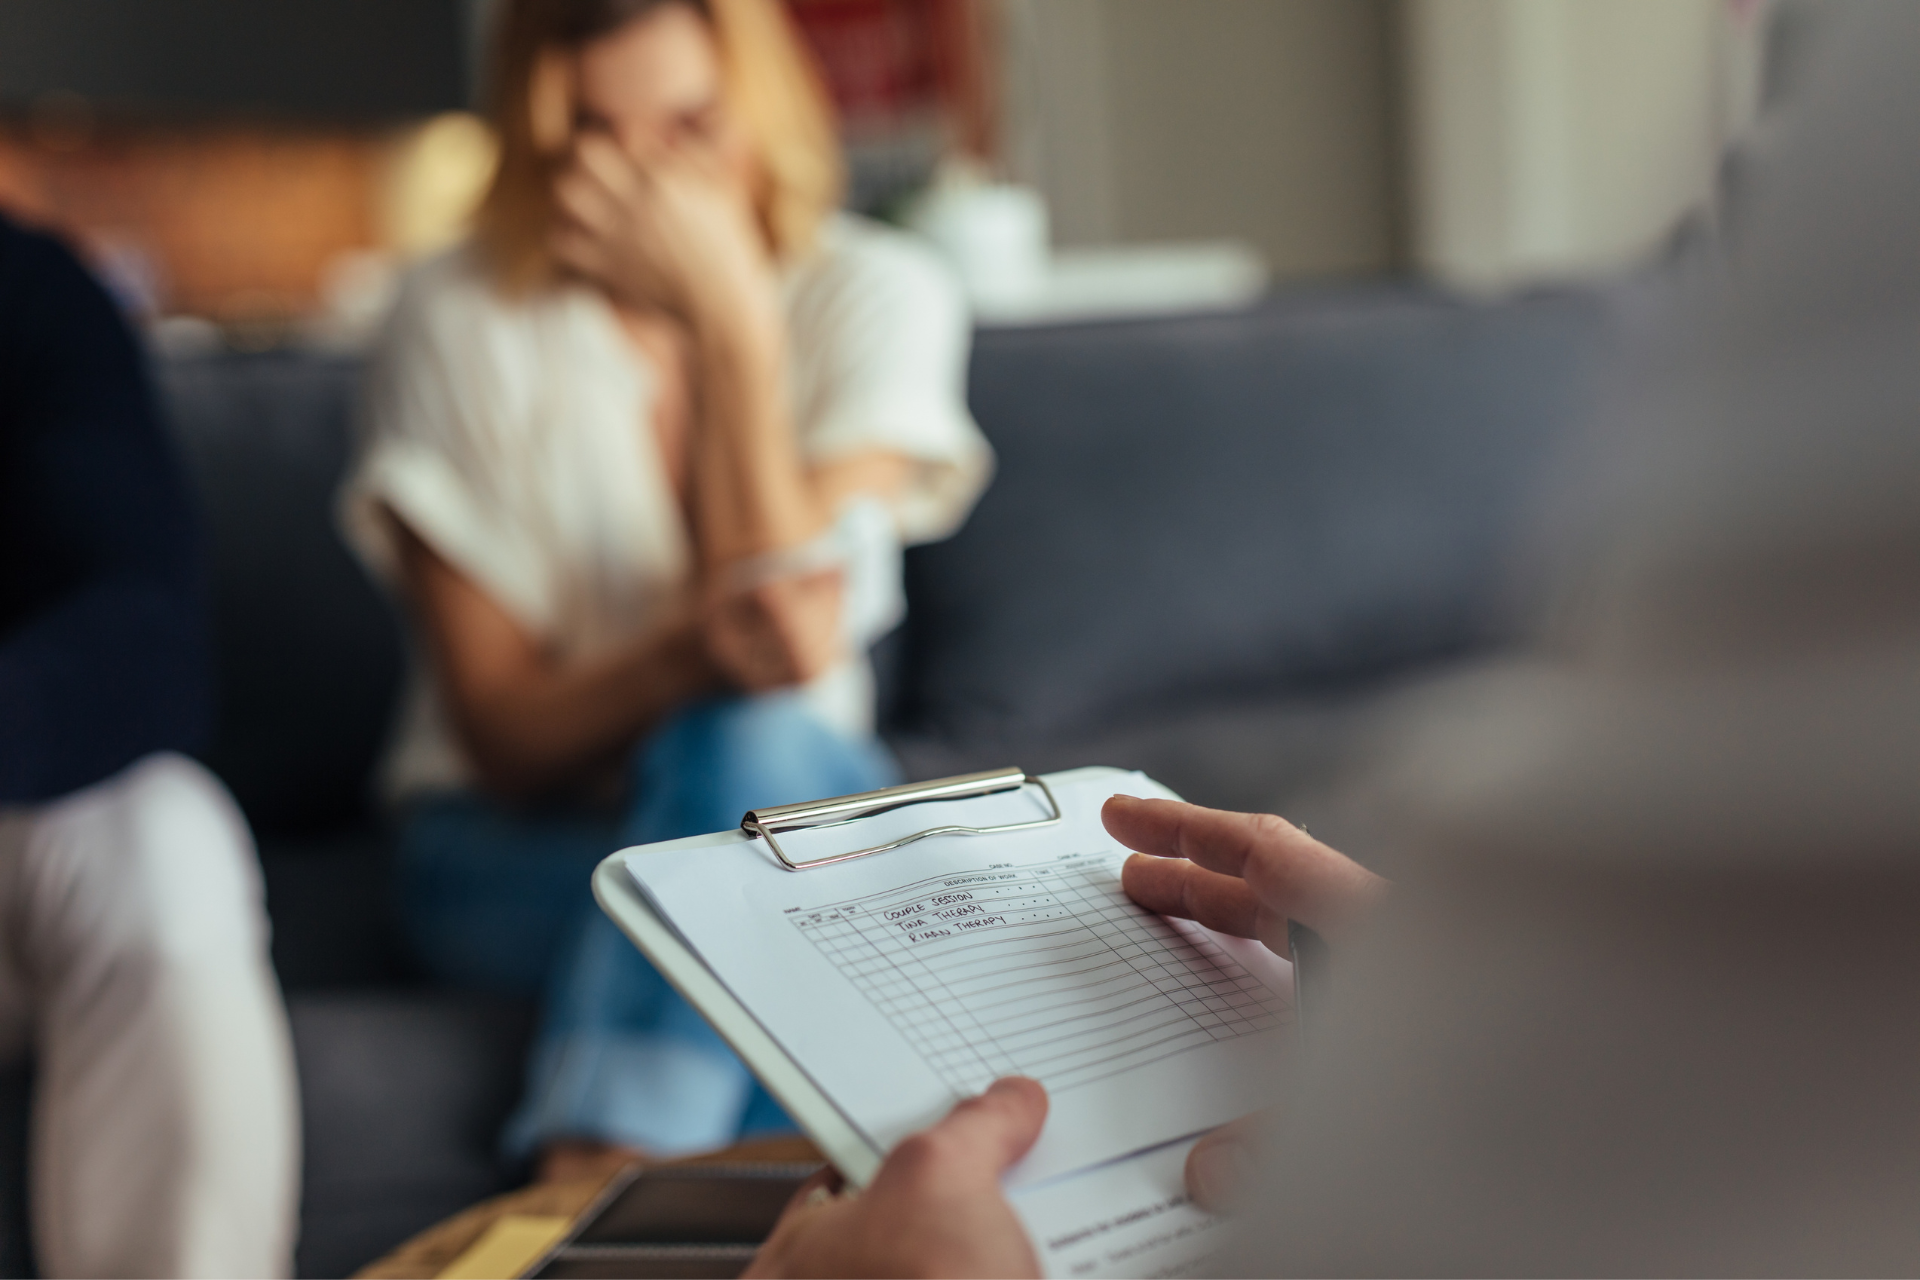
column 1212, row 507
column 308, row 650
column 1320, row 489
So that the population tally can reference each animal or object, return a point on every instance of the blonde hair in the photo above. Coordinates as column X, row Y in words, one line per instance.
column 771, row 88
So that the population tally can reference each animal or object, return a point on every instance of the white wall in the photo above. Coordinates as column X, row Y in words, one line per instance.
column 1265, row 120
column 1549, row 139
column 1490, row 143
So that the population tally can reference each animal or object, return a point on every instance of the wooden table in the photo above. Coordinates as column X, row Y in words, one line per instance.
column 433, row 1250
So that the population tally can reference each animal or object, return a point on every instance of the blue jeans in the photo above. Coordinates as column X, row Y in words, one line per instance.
column 498, row 899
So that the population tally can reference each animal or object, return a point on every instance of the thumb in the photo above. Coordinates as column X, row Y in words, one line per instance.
column 1224, row 1162
column 979, row 1138
column 1003, row 1123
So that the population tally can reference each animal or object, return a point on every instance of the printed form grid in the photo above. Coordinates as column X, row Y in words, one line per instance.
column 1046, row 970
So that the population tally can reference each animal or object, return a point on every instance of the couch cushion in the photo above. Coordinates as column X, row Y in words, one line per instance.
column 16, row 1243
column 403, row 1095
column 307, row 650
column 1256, row 755
column 1314, row 491
column 335, row 919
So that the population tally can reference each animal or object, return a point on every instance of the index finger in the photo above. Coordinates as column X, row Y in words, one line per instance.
column 1217, row 840
column 607, row 164
column 1291, row 874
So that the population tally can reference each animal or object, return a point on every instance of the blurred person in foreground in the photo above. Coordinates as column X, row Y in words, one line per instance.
column 133, row 935
column 640, row 458
column 1643, row 998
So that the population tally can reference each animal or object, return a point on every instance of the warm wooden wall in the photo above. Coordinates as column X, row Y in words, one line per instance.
column 231, row 222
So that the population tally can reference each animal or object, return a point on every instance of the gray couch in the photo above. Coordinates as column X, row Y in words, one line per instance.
column 1212, row 542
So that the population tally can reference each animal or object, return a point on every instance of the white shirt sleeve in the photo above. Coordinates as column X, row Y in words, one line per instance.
column 875, row 600
column 434, row 450
column 881, row 335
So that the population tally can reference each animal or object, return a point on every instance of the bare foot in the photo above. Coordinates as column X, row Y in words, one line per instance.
column 578, row 1159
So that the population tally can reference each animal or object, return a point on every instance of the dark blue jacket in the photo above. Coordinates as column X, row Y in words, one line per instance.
column 103, row 643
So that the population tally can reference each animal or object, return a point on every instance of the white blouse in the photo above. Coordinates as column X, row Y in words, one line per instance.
column 513, row 437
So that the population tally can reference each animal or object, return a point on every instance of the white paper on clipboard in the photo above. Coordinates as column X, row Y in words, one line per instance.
column 870, row 995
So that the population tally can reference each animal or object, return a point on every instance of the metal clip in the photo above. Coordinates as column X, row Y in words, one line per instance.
column 841, row 810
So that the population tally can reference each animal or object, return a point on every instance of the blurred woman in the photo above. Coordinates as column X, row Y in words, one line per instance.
column 640, row 459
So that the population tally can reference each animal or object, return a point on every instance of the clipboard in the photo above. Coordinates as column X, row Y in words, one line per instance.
column 831, row 1130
